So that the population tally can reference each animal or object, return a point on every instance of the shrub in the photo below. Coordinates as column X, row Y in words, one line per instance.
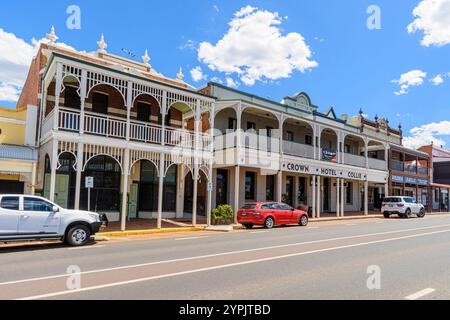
column 223, row 213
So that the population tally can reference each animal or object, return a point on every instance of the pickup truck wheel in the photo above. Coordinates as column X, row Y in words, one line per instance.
column 78, row 236
column 387, row 215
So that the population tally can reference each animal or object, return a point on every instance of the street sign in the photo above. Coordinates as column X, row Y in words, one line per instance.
column 89, row 182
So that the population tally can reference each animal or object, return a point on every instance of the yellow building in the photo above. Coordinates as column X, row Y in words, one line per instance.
column 18, row 155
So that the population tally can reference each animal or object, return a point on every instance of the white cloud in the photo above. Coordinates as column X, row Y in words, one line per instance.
column 190, row 45
column 409, row 79
column 432, row 17
column 9, row 92
column 217, row 80
column 255, row 49
column 438, row 80
column 231, row 83
column 197, row 74
column 425, row 134
column 15, row 58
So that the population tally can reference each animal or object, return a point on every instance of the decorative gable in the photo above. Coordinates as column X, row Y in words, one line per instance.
column 331, row 114
column 300, row 101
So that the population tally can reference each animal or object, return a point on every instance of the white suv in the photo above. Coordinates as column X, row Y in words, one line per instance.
column 405, row 207
column 24, row 218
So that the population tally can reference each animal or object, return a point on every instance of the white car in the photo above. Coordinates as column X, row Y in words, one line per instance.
column 25, row 218
column 404, row 207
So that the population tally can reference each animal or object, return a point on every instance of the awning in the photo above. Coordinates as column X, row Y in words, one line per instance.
column 22, row 153
column 443, row 186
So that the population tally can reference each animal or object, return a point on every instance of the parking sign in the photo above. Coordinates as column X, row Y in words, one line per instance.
column 89, row 182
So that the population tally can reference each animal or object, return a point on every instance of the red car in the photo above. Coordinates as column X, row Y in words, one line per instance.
column 269, row 214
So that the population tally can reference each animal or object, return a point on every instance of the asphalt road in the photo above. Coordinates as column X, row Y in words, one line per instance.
column 401, row 259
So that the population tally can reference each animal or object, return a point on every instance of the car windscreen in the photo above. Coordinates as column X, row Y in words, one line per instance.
column 392, row 200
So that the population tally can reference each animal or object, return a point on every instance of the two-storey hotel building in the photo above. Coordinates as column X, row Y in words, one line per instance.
column 291, row 152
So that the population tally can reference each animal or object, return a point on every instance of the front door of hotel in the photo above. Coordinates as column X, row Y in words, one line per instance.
column 326, row 194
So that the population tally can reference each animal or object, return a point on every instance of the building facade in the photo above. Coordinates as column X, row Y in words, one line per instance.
column 291, row 152
column 18, row 155
column 410, row 175
column 439, row 167
column 142, row 137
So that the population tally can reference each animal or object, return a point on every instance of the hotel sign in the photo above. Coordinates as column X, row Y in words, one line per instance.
column 324, row 171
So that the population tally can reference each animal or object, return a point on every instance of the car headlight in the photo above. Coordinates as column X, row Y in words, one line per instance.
column 94, row 216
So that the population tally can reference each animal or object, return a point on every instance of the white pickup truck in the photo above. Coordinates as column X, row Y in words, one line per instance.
column 25, row 218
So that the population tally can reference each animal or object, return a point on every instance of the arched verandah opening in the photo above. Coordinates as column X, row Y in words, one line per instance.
column 107, row 174
column 329, row 145
column 298, row 138
column 144, row 188
column 261, row 129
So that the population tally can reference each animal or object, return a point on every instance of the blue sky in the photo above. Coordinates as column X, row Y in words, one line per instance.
column 355, row 65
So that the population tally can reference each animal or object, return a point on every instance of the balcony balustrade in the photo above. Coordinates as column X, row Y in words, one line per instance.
column 115, row 127
column 377, row 164
column 298, row 149
column 397, row 165
column 423, row 171
column 355, row 160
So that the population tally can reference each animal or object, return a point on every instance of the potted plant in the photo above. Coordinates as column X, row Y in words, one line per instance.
column 222, row 215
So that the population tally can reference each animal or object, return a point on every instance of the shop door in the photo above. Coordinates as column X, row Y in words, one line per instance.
column 133, row 201
column 377, row 199
column 222, row 187
column 289, row 191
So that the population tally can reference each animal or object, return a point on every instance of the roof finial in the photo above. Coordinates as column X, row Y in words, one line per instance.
column 146, row 57
column 102, row 45
column 180, row 74
column 52, row 37
column 361, row 112
column 376, row 118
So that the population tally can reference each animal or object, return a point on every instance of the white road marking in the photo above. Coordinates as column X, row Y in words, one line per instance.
column 190, row 238
column 257, row 232
column 86, row 248
column 351, row 224
column 420, row 294
column 312, row 227
column 225, row 254
column 109, row 285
